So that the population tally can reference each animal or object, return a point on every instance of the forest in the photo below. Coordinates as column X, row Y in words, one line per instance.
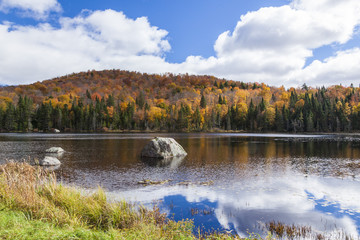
column 115, row 100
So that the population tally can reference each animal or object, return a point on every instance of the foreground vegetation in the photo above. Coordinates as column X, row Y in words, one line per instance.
column 34, row 206
column 122, row 100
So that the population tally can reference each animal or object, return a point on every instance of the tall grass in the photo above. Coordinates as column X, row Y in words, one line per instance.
column 32, row 195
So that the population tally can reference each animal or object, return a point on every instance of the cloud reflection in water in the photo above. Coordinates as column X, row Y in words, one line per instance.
column 247, row 205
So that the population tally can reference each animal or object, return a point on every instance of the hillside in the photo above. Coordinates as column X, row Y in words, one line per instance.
column 123, row 100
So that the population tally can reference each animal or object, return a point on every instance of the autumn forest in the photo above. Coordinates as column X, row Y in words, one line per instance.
column 114, row 100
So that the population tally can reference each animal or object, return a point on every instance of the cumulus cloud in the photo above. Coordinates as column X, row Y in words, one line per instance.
column 272, row 44
column 38, row 9
column 342, row 68
column 269, row 45
column 92, row 40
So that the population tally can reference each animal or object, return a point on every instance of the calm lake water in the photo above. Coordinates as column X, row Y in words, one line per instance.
column 255, row 178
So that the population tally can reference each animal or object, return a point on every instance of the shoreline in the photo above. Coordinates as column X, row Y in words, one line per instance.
column 225, row 132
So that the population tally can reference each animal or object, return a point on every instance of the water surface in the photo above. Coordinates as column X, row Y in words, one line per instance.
column 233, row 182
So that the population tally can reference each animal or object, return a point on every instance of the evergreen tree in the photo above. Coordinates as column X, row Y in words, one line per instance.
column 251, row 116
column 110, row 101
column 228, row 120
column 279, row 121
column 197, row 120
column 88, row 95
column 262, row 105
column 309, row 123
column 183, row 117
column 140, row 100
column 9, row 118
column 220, row 101
column 56, row 117
column 203, row 101
column 43, row 117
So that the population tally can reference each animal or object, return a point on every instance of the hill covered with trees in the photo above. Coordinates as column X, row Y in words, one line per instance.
column 123, row 100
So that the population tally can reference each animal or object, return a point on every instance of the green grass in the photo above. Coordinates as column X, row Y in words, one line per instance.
column 34, row 206
column 16, row 225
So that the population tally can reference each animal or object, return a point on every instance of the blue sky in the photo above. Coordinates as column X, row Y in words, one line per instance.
column 193, row 26
column 279, row 42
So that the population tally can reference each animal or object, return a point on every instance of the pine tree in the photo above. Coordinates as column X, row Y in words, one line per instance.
column 43, row 117
column 110, row 101
column 88, row 95
column 220, row 101
column 262, row 105
column 9, row 118
column 197, row 120
column 279, row 122
column 203, row 101
column 56, row 117
column 23, row 113
column 140, row 100
column 309, row 123
column 251, row 116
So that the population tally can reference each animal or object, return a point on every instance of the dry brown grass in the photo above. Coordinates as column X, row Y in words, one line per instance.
column 35, row 191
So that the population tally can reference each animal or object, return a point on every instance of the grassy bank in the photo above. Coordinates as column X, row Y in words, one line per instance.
column 34, row 206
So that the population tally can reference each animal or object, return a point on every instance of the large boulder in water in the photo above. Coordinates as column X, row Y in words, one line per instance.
column 162, row 148
column 49, row 161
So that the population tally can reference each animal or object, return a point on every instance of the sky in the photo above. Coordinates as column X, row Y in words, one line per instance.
column 278, row 42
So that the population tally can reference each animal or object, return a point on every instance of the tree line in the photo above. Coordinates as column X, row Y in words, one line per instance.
column 185, row 103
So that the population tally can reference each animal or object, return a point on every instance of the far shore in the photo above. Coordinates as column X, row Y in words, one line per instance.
column 186, row 132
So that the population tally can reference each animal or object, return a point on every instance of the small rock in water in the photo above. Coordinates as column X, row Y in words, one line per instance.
column 49, row 161
column 55, row 150
column 163, row 148
column 54, row 130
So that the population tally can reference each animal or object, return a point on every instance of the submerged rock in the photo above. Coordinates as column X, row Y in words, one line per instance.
column 49, row 161
column 55, row 150
column 163, row 148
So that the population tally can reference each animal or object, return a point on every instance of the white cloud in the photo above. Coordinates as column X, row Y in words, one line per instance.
column 342, row 68
column 93, row 40
column 38, row 9
column 270, row 45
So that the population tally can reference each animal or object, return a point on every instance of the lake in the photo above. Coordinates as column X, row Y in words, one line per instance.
column 237, row 183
